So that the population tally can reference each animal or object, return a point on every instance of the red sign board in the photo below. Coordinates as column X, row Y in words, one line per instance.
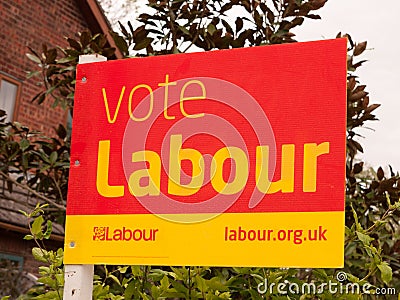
column 238, row 150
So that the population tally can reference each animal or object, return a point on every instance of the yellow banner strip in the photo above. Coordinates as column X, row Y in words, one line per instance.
column 301, row 239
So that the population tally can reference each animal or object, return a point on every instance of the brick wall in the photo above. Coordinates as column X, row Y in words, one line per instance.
column 32, row 23
column 12, row 243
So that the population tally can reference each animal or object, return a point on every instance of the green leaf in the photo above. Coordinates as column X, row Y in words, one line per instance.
column 201, row 284
column 179, row 273
column 60, row 278
column 66, row 59
column 100, row 292
column 74, row 44
column 143, row 43
column 28, row 237
column 53, row 157
column 164, row 283
column 358, row 226
column 211, row 29
column 216, row 284
column 24, row 162
column 312, row 16
column 44, row 270
column 179, row 287
column 47, row 280
column 256, row 295
column 386, row 272
column 155, row 292
column 130, row 290
column 227, row 26
column 239, row 24
column 50, row 90
column 123, row 270
column 49, row 229
column 61, row 131
column 41, row 98
column 32, row 74
column 184, row 30
column 36, row 227
column 113, row 277
column 360, row 48
column 365, row 239
column 120, row 42
column 144, row 296
column 23, row 212
column 347, row 231
column 39, row 254
column 24, row 144
column 321, row 274
column 49, row 296
column 33, row 58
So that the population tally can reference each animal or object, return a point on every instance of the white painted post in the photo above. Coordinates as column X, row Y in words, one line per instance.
column 78, row 282
column 78, row 279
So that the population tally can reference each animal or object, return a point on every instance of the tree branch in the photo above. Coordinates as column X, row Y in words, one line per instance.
column 35, row 193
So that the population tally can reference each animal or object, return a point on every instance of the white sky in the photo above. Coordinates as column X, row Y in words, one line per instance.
column 376, row 22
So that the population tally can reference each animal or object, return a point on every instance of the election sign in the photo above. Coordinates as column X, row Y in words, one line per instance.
column 224, row 158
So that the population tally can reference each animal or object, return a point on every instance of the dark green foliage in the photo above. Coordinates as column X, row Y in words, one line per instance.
column 36, row 165
column 57, row 67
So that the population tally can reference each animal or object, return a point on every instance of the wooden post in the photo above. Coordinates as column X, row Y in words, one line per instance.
column 78, row 279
